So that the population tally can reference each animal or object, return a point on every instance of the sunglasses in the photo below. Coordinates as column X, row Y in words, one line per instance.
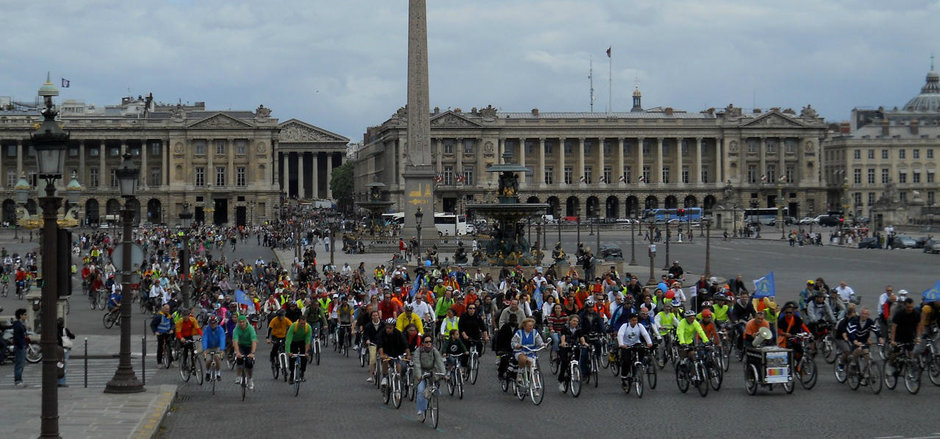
column 427, row 342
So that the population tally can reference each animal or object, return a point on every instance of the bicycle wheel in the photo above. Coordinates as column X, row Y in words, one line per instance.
column 536, row 390
column 199, row 369
column 434, row 408
column 362, row 356
column 682, row 379
column 92, row 299
column 912, row 378
column 650, row 375
column 750, row 379
column 828, row 352
column 702, row 381
column 213, row 379
column 474, row 368
column 412, row 388
column 387, row 390
column 891, row 379
column 276, row 367
column 638, row 379
column 244, row 387
column 807, row 373
column 660, row 355
column 166, row 356
column 296, row 377
column 317, row 353
column 504, row 384
column 674, row 354
column 102, row 303
column 574, row 382
column 452, row 383
column 186, row 369
column 874, row 377
column 554, row 360
column 459, row 385
column 283, row 361
column 852, row 375
column 395, row 382
column 715, row 376
column 594, row 367
column 933, row 370
column 605, row 356
column 840, row 374
column 107, row 320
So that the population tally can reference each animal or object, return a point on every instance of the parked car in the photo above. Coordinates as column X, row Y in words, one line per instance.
column 932, row 246
column 869, row 243
column 611, row 252
column 902, row 241
column 920, row 242
column 827, row 220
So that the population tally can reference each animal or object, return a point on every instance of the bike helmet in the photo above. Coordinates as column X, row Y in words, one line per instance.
column 389, row 321
column 409, row 307
column 676, row 302
column 902, row 293
column 670, row 294
column 213, row 319
column 706, row 313
column 689, row 313
column 280, row 313
column 589, row 302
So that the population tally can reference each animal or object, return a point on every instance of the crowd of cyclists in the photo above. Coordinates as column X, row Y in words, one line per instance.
column 424, row 321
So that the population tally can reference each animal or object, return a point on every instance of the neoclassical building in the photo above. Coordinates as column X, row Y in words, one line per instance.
column 883, row 162
column 613, row 165
column 228, row 165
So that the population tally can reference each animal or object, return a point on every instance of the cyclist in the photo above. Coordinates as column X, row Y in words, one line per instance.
column 686, row 332
column 345, row 319
column 628, row 338
column 666, row 320
column 450, row 323
column 391, row 344
column 114, row 299
column 752, row 327
column 906, row 329
column 187, row 327
column 162, row 327
column 819, row 313
column 213, row 340
column 526, row 337
column 4, row 281
column 570, row 337
column 430, row 360
column 409, row 318
column 742, row 312
column 455, row 346
column 790, row 324
column 277, row 330
column 297, row 341
column 370, row 334
column 841, row 335
column 708, row 325
column 858, row 330
column 245, row 342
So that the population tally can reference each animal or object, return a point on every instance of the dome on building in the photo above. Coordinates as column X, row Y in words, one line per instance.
column 929, row 98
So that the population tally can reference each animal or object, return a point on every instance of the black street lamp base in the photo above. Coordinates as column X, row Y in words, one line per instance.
column 124, row 382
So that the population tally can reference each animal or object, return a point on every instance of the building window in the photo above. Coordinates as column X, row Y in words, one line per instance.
column 857, row 155
column 627, row 174
column 871, row 154
column 587, row 148
column 113, row 181
column 646, row 174
column 448, row 175
column 529, row 147
column 549, row 174
column 751, row 174
column 588, row 174
column 685, row 147
column 858, row 198
column 916, row 177
column 871, row 198
column 11, row 179
column 115, row 151
column 646, row 147
column 884, row 176
column 607, row 147
column 468, row 175
column 200, row 147
column 704, row 174
column 219, row 147
column 752, row 145
column 902, row 196
column 607, row 172
column 567, row 148
column 930, row 177
column 200, row 176
column 857, row 176
column 790, row 145
column 685, row 174
column 220, row 176
column 92, row 152
column 548, row 147
column 568, row 172
column 902, row 154
column 73, row 151
column 240, row 176
column 884, row 154
column 871, row 176
column 11, row 150
column 468, row 146
column 930, row 198
column 916, row 153
column 449, row 146
column 791, row 173
column 92, row 177
column 929, row 153
column 665, row 174
column 155, row 175
column 241, row 147
column 771, row 146
column 771, row 173
column 902, row 177
column 155, row 149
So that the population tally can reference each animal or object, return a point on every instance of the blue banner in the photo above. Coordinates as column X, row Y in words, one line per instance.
column 932, row 294
column 242, row 298
column 764, row 287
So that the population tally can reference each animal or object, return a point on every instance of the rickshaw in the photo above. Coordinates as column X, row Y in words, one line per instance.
column 767, row 365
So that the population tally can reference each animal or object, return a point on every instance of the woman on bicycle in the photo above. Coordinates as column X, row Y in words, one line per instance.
column 525, row 340
column 570, row 336
column 427, row 359
column 213, row 341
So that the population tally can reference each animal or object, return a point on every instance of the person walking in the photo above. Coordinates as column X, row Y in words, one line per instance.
column 66, row 338
column 19, row 346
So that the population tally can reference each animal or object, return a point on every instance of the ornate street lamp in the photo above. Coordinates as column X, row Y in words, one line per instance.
column 21, row 195
column 419, row 215
column 50, row 143
column 186, row 221
column 633, row 222
column 125, row 380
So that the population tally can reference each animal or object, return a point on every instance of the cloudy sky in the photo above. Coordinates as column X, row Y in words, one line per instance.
column 341, row 65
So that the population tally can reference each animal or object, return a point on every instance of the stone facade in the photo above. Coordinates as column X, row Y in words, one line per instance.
column 599, row 165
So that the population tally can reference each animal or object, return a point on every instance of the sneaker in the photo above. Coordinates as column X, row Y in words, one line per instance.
column 889, row 369
column 370, row 380
column 20, row 384
column 561, row 387
column 384, row 382
column 218, row 376
column 251, row 384
column 420, row 416
column 63, row 385
column 208, row 376
column 238, row 380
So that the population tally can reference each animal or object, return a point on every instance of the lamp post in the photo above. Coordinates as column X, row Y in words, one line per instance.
column 780, row 209
column 50, row 143
column 666, row 267
column 633, row 240
column 652, row 254
column 124, row 380
column 186, row 220
column 332, row 242
column 419, row 215
column 251, row 213
column 579, row 231
column 708, row 252
column 21, row 194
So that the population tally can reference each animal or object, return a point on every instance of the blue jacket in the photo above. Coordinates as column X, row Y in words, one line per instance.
column 213, row 338
column 19, row 334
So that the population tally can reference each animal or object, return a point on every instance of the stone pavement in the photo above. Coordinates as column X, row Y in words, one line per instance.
column 87, row 413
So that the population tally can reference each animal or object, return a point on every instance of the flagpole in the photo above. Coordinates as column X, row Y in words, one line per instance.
column 591, row 78
column 610, row 80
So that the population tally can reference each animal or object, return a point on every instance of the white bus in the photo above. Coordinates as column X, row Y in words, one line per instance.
column 447, row 224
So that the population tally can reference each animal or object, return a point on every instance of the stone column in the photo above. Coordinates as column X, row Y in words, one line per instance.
column 601, row 145
column 419, row 175
column 439, row 147
column 782, row 156
column 316, row 174
column 619, row 171
column 104, row 177
column 329, row 175
column 458, row 164
column 144, row 169
column 720, row 173
column 763, row 158
column 230, row 151
column 283, row 173
column 165, row 169
column 210, row 168
column 541, row 169
column 580, row 159
column 679, row 161
column 561, row 161
column 301, row 186
column 639, row 159
column 81, row 163
column 19, row 158
column 698, row 161
column 522, row 176
column 658, row 176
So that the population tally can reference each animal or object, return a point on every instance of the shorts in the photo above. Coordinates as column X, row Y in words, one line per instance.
column 372, row 355
column 244, row 360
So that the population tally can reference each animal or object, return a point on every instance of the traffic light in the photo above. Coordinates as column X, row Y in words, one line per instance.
column 680, row 212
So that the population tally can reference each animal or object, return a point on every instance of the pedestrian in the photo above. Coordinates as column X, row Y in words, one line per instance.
column 19, row 346
column 326, row 243
column 65, row 342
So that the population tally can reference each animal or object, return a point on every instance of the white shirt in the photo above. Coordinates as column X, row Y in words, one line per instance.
column 630, row 335
column 423, row 310
column 845, row 293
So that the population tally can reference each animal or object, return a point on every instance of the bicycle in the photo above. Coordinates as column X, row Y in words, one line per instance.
column 297, row 374
column 714, row 367
column 344, row 339
column 692, row 372
column 930, row 359
column 315, row 345
column 431, row 391
column 594, row 367
column 861, row 370
column 363, row 353
column 635, row 378
column 531, row 380
column 111, row 317
column 243, row 382
column 667, row 351
column 473, row 362
column 279, row 365
column 726, row 334
column 573, row 381
column 454, row 370
column 215, row 360
column 805, row 367
column 907, row 365
column 190, row 363
column 392, row 390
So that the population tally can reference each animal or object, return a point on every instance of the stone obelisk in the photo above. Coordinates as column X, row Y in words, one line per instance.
column 418, row 173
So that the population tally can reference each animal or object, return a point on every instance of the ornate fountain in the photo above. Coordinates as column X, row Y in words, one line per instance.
column 508, row 246
column 377, row 202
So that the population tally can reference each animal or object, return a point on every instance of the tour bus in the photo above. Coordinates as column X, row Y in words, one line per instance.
column 448, row 223
column 661, row 215
column 765, row 215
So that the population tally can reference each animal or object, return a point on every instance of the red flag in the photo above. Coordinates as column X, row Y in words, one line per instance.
column 608, row 52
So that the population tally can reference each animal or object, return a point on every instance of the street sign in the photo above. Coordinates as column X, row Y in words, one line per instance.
column 137, row 257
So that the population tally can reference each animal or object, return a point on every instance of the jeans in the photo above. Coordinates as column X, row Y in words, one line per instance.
column 419, row 396
column 556, row 338
column 19, row 362
column 66, row 368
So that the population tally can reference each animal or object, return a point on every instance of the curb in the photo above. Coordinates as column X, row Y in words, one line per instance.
column 149, row 425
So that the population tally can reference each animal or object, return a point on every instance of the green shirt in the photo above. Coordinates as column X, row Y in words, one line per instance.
column 244, row 337
column 300, row 334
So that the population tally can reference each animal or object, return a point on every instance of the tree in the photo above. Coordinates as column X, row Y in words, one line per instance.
column 342, row 186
